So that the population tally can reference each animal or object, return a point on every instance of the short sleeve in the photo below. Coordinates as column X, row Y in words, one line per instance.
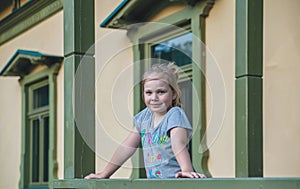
column 177, row 118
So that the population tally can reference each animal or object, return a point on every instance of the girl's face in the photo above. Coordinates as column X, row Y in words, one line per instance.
column 158, row 96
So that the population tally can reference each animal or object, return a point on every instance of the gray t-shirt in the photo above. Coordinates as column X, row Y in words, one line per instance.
column 160, row 161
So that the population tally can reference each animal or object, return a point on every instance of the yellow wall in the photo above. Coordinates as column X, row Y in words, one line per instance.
column 281, row 88
column 220, row 41
column 114, row 79
column 10, row 135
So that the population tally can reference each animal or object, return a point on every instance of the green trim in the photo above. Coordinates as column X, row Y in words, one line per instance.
column 53, row 167
column 249, row 134
column 137, row 159
column 264, row 183
column 40, row 75
column 79, row 102
column 135, row 11
column 26, row 17
column 27, row 82
column 249, row 90
column 79, row 88
column 24, row 61
column 112, row 15
column 80, row 17
column 249, row 38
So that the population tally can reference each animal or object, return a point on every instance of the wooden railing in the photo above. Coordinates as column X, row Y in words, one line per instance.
column 210, row 183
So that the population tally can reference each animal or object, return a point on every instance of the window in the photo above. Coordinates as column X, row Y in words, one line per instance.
column 38, row 163
column 38, row 134
column 178, row 42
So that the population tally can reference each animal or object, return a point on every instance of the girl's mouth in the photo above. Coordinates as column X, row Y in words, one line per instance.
column 155, row 104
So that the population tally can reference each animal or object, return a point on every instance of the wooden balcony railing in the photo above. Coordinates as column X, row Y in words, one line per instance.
column 210, row 183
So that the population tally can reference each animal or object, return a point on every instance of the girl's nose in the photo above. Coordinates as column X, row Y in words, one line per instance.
column 154, row 96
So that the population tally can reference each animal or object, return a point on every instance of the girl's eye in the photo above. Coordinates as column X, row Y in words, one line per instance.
column 148, row 92
column 161, row 92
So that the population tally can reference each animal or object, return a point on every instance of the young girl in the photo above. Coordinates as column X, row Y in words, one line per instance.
column 162, row 128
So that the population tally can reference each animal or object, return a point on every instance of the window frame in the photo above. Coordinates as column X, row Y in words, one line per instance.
column 186, row 19
column 39, row 114
column 29, row 83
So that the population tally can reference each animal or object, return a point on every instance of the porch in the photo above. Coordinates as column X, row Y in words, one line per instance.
column 249, row 142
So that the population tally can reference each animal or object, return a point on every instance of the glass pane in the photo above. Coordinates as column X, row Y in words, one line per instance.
column 178, row 50
column 186, row 98
column 41, row 97
column 35, row 151
column 46, row 149
column 186, row 101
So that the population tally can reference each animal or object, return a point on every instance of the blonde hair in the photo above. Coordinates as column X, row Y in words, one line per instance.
column 168, row 73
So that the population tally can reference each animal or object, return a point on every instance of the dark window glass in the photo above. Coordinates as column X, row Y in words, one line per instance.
column 35, row 151
column 178, row 50
column 46, row 148
column 41, row 97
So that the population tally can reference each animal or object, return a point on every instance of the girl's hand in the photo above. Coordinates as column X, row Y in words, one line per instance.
column 189, row 175
column 95, row 176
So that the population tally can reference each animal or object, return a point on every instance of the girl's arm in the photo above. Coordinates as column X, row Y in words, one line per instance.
column 123, row 152
column 179, row 141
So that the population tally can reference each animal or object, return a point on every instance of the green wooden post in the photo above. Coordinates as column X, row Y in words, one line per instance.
column 200, row 151
column 79, row 87
column 249, row 63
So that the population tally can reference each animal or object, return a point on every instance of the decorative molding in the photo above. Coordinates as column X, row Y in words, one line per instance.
column 23, row 62
column 26, row 17
column 208, row 7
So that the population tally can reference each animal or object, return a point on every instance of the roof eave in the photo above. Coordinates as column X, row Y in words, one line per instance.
column 136, row 11
column 24, row 61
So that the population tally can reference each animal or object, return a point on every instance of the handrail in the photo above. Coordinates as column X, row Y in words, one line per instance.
column 209, row 183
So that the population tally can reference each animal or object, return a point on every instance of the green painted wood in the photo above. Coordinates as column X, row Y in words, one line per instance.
column 249, row 92
column 79, row 32
column 26, row 17
column 199, row 97
column 249, row 37
column 79, row 132
column 138, row 170
column 79, row 87
column 200, row 151
column 246, row 183
column 53, row 167
column 249, row 133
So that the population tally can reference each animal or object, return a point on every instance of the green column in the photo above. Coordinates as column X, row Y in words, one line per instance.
column 79, row 88
column 249, row 92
